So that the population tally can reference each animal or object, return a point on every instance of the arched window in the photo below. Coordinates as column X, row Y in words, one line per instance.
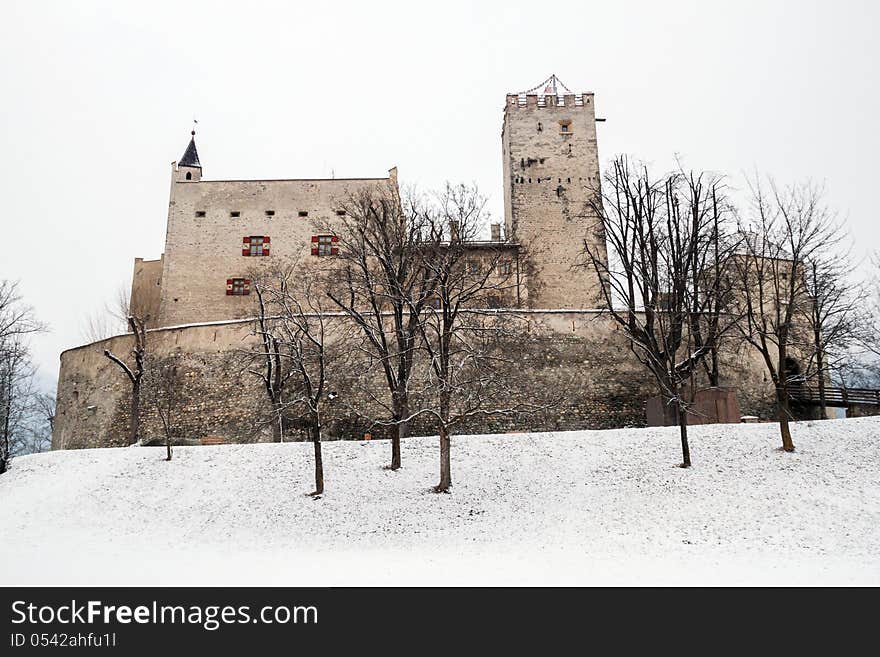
column 189, row 175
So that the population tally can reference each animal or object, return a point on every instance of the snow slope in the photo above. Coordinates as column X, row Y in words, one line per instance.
column 586, row 507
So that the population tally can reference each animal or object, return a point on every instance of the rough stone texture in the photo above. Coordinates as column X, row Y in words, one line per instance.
column 579, row 358
column 146, row 288
column 549, row 175
column 202, row 252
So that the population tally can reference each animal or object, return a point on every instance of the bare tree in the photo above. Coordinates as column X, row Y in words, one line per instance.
column 834, row 315
column 165, row 383
column 16, row 395
column 664, row 280
column 463, row 338
column 296, row 296
column 269, row 360
column 134, row 373
column 17, row 389
column 869, row 336
column 42, row 422
column 383, row 287
column 786, row 230
column 112, row 318
column 17, row 319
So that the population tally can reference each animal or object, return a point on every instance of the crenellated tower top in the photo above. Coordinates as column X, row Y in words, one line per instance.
column 552, row 92
column 551, row 174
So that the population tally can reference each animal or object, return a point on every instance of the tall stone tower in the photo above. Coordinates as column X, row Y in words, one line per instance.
column 551, row 169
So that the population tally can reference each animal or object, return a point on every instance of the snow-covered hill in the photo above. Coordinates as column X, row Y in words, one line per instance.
column 588, row 507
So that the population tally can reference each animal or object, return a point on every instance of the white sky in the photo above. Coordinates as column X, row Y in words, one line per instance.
column 98, row 99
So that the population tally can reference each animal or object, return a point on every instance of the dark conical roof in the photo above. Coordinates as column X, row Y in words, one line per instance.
column 191, row 156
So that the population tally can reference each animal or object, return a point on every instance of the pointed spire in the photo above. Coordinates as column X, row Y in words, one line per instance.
column 191, row 156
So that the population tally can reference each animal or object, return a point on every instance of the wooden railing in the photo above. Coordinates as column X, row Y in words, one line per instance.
column 840, row 397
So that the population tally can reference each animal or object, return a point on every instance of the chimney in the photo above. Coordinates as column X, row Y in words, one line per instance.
column 496, row 232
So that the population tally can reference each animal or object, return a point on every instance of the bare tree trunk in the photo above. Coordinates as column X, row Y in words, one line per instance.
column 277, row 427
column 683, row 429
column 135, row 412
column 713, row 372
column 784, row 415
column 4, row 451
column 168, row 446
column 401, row 410
column 319, row 461
column 820, row 364
column 445, row 470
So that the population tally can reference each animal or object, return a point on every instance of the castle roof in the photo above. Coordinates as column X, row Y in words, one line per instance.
column 191, row 155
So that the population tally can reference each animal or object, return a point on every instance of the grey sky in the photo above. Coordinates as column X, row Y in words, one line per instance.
column 98, row 99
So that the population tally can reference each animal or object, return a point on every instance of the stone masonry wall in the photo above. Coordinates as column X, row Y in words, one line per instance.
column 203, row 244
column 577, row 357
column 146, row 288
column 551, row 169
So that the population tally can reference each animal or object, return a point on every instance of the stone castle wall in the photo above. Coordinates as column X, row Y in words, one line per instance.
column 146, row 289
column 578, row 358
column 208, row 221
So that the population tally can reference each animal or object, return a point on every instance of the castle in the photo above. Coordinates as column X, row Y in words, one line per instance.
column 218, row 229
column 197, row 294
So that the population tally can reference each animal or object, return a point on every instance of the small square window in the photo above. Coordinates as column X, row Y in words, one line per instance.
column 504, row 268
column 235, row 213
column 473, row 267
column 200, row 213
column 303, row 213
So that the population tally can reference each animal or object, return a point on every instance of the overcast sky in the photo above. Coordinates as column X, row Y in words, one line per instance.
column 98, row 99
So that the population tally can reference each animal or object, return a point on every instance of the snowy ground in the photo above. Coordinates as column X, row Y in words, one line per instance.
column 588, row 507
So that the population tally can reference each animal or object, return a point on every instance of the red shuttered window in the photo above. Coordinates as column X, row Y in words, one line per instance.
column 325, row 245
column 255, row 245
column 238, row 286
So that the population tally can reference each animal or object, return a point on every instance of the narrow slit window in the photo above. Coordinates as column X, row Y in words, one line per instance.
column 235, row 213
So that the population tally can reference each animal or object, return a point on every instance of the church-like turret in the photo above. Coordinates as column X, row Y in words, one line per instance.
column 189, row 168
